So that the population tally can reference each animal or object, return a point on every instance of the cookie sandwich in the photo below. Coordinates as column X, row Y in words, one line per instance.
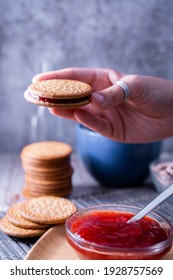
column 59, row 93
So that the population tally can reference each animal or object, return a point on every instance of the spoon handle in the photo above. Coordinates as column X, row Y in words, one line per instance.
column 153, row 204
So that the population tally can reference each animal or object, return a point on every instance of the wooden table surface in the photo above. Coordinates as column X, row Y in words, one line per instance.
column 12, row 182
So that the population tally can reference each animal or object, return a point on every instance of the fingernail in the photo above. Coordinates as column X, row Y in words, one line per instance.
column 34, row 79
column 99, row 97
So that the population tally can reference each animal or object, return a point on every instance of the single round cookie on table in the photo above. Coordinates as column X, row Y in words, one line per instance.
column 59, row 93
column 14, row 217
column 9, row 228
column 47, row 209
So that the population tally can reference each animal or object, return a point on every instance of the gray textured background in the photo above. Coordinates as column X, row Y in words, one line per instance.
column 134, row 36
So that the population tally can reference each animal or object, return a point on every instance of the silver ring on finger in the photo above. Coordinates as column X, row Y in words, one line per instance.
column 125, row 90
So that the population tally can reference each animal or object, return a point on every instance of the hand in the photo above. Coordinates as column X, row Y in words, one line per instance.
column 146, row 116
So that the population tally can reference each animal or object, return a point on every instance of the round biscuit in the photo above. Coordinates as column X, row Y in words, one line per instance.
column 46, row 171
column 46, row 189
column 69, row 93
column 48, row 178
column 50, row 190
column 7, row 227
column 48, row 183
column 49, row 171
column 39, row 162
column 61, row 88
column 47, row 150
column 29, row 195
column 25, row 193
column 48, row 209
column 14, row 216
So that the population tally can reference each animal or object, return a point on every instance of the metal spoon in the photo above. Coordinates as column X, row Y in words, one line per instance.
column 153, row 204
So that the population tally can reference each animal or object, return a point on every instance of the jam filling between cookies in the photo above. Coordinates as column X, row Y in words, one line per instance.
column 58, row 101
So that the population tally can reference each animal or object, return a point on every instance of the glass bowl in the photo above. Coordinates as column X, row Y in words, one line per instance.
column 101, row 232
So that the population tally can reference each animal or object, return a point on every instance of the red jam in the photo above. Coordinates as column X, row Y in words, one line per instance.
column 109, row 229
column 58, row 100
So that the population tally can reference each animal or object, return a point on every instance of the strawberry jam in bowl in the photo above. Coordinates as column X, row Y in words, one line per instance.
column 102, row 232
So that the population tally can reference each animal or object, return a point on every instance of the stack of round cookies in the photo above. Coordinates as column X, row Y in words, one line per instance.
column 47, row 169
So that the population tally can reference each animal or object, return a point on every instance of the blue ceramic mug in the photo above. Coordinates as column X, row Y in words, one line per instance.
column 113, row 163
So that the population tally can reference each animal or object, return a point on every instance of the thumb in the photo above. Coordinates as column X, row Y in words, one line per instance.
column 115, row 94
column 108, row 98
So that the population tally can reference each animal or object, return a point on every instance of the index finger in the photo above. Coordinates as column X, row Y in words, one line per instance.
column 82, row 74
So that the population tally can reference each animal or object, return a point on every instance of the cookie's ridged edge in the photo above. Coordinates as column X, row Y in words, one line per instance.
column 17, row 233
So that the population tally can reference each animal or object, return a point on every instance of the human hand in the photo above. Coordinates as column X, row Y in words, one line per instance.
column 146, row 116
